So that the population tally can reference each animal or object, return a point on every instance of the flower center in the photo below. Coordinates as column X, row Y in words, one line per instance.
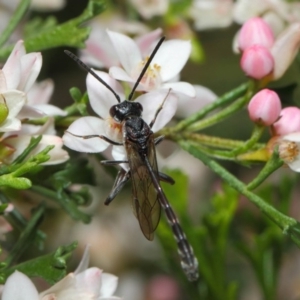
column 288, row 151
column 151, row 78
column 113, row 130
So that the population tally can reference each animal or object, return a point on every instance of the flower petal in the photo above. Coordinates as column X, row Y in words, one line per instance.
column 15, row 100
column 146, row 41
column 3, row 86
column 109, row 284
column 86, row 126
column 21, row 142
column 288, row 43
column 41, row 92
column 89, row 281
column 101, row 98
column 19, row 287
column 99, row 49
column 152, row 101
column 10, row 125
column 57, row 154
column 84, row 262
column 189, row 105
column 127, row 50
column 30, row 112
column 181, row 87
column 119, row 153
column 12, row 67
column 119, row 74
column 50, row 110
column 66, row 287
column 171, row 57
column 31, row 65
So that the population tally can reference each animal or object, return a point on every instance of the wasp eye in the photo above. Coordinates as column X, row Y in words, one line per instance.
column 113, row 110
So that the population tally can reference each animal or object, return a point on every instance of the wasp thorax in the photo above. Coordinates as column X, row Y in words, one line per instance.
column 125, row 109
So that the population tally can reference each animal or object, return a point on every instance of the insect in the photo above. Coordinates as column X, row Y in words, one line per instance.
column 139, row 142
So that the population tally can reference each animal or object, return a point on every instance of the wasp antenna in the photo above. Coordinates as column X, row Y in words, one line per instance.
column 145, row 67
column 90, row 70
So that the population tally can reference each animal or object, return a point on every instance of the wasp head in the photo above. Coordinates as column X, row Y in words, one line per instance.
column 125, row 109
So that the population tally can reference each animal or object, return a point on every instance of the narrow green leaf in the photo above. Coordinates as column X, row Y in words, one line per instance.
column 52, row 267
column 9, row 180
column 69, row 34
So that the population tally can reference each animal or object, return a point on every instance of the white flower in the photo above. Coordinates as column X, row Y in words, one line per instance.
column 165, row 66
column 83, row 284
column 208, row 14
column 282, row 11
column 100, row 52
column 289, row 150
column 37, row 101
column 21, row 69
column 101, row 100
column 19, row 141
column 16, row 78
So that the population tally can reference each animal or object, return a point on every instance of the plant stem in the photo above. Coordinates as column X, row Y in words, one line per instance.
column 14, row 21
column 283, row 221
column 26, row 237
column 226, row 98
column 221, row 115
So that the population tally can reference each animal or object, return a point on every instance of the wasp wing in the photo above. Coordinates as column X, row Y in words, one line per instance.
column 146, row 204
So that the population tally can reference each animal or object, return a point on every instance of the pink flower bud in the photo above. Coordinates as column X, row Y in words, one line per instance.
column 257, row 61
column 288, row 122
column 264, row 107
column 255, row 32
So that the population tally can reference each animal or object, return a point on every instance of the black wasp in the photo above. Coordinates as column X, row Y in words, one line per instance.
column 139, row 143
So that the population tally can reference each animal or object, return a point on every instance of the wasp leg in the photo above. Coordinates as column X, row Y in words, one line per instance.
column 166, row 178
column 162, row 177
column 85, row 137
column 159, row 109
column 122, row 177
column 159, row 139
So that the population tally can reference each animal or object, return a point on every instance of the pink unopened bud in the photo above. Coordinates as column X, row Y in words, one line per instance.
column 257, row 61
column 289, row 121
column 255, row 32
column 264, row 107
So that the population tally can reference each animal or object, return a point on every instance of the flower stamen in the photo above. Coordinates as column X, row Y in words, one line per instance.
column 113, row 129
column 288, row 151
column 152, row 78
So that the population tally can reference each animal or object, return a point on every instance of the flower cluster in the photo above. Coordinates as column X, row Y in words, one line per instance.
column 84, row 283
column 21, row 98
column 265, row 109
column 262, row 52
column 160, row 86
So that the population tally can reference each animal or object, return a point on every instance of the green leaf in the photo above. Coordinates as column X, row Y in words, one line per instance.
column 38, row 25
column 16, row 183
column 197, row 54
column 76, row 94
column 34, row 141
column 3, row 208
column 179, row 6
column 27, row 235
column 52, row 267
column 69, row 34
